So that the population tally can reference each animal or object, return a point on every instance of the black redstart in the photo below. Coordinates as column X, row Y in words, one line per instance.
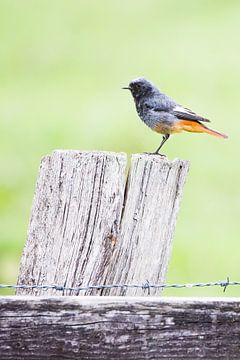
column 164, row 115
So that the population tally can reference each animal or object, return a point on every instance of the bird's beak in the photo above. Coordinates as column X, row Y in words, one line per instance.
column 127, row 88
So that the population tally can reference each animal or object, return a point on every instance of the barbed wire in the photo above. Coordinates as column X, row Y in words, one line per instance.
column 145, row 286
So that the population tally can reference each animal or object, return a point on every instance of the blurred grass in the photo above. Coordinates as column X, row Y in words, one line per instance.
column 62, row 66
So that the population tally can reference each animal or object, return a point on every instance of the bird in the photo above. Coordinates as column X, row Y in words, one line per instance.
column 163, row 114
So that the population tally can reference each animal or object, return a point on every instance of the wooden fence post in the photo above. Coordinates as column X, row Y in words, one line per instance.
column 83, row 232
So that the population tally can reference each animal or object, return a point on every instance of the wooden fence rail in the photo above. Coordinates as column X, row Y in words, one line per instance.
column 118, row 328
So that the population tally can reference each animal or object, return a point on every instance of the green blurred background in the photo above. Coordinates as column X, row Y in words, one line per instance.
column 62, row 66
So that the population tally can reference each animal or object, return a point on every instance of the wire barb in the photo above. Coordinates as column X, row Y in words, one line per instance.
column 225, row 284
column 147, row 286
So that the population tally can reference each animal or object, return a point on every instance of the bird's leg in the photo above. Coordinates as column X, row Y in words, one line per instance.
column 164, row 139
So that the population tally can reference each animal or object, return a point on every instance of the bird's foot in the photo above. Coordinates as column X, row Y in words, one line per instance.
column 155, row 153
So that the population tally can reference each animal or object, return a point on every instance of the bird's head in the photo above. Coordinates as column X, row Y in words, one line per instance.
column 140, row 87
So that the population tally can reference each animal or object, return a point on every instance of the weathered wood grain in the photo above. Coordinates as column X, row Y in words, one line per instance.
column 75, row 217
column 153, row 193
column 83, row 231
column 119, row 328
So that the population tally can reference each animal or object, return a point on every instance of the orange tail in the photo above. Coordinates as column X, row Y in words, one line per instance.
column 215, row 133
column 193, row 126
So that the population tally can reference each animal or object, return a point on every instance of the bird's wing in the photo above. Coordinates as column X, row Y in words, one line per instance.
column 158, row 106
column 187, row 114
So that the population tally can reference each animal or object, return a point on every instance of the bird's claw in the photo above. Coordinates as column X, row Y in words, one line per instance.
column 155, row 153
